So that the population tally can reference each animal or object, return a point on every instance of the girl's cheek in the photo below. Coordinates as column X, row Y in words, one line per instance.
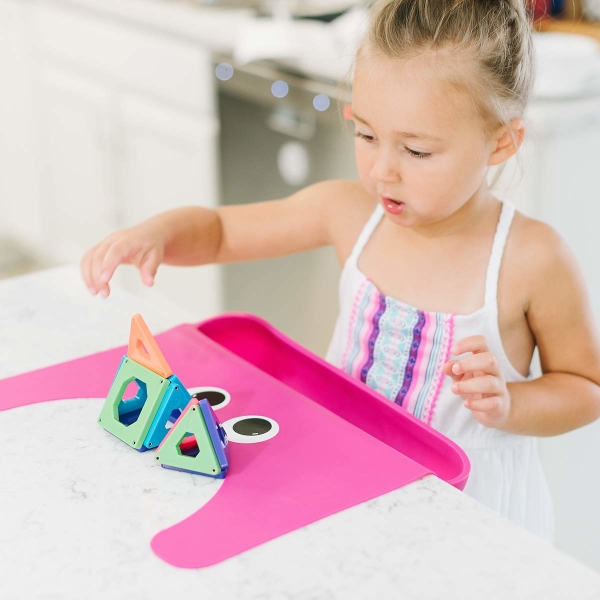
column 364, row 171
column 367, row 182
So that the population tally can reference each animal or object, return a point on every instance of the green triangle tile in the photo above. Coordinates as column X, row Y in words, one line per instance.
column 169, row 454
column 152, row 388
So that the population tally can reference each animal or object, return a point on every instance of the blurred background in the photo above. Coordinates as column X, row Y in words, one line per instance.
column 115, row 110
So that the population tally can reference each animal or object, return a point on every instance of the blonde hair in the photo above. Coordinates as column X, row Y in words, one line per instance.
column 493, row 35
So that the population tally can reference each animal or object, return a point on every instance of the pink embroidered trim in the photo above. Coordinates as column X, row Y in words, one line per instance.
column 438, row 386
column 351, row 323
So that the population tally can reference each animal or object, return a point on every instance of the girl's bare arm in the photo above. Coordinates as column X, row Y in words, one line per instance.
column 567, row 395
column 196, row 235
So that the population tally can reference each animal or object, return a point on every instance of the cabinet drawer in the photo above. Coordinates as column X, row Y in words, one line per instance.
column 144, row 61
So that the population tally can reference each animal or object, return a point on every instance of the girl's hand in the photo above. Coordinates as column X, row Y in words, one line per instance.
column 479, row 382
column 141, row 246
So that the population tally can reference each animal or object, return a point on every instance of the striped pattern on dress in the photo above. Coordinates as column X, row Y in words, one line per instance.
column 398, row 350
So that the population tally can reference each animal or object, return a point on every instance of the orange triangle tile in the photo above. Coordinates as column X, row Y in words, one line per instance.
column 144, row 349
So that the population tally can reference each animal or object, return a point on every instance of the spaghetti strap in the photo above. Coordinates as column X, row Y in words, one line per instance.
column 365, row 235
column 493, row 270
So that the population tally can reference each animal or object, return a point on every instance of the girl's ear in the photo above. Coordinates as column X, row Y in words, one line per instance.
column 508, row 140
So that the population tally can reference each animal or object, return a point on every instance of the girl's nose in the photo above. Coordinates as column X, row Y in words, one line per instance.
column 384, row 168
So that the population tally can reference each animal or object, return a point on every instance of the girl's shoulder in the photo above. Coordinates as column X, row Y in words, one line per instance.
column 349, row 207
column 557, row 303
column 535, row 255
column 536, row 242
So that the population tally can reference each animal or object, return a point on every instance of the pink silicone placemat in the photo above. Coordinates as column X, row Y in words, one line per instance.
column 339, row 443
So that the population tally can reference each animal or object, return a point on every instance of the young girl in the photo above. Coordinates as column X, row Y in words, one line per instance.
column 445, row 290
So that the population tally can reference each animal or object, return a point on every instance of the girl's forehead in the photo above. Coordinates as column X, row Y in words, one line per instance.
column 438, row 67
column 397, row 93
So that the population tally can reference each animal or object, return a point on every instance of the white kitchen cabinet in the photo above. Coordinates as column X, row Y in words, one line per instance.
column 78, row 175
column 167, row 159
column 166, row 67
column 19, row 202
column 164, row 158
column 127, row 129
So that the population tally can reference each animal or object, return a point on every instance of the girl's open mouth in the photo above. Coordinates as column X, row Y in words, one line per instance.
column 394, row 207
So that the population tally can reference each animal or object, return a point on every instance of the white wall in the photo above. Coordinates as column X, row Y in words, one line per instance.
column 573, row 206
column 19, row 214
column 560, row 184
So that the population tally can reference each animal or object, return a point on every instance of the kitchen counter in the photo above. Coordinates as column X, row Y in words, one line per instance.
column 79, row 508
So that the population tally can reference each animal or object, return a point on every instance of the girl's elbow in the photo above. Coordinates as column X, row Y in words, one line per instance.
column 595, row 401
column 596, row 410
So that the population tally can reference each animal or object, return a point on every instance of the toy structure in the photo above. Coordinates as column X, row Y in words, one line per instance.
column 306, row 440
column 148, row 407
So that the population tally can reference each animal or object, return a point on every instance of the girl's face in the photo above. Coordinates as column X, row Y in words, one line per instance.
column 421, row 147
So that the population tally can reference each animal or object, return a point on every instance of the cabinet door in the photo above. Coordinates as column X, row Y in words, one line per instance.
column 168, row 159
column 77, row 167
column 19, row 201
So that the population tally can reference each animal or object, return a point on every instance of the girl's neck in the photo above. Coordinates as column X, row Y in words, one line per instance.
column 466, row 219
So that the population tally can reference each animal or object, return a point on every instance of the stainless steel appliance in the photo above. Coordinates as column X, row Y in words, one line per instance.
column 298, row 294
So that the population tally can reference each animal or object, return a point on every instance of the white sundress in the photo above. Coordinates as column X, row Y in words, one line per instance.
column 399, row 351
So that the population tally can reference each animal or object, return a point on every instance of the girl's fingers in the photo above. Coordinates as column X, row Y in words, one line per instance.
column 475, row 396
column 148, row 266
column 474, row 343
column 96, row 269
column 484, row 362
column 99, row 264
column 448, row 369
column 484, row 404
column 86, row 270
column 486, row 384
column 116, row 254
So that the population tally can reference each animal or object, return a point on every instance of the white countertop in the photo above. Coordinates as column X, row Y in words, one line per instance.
column 78, row 508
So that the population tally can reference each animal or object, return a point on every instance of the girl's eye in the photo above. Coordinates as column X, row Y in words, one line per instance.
column 362, row 136
column 414, row 153
column 417, row 154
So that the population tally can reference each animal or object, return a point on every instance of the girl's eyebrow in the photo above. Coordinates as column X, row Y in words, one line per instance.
column 405, row 134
